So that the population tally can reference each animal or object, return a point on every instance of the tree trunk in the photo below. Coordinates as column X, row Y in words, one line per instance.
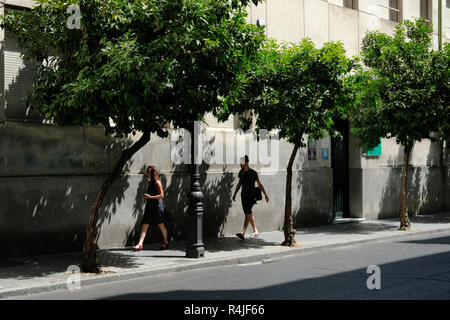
column 90, row 260
column 404, row 219
column 289, row 231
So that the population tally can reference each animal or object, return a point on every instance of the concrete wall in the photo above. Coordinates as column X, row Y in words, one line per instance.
column 22, row 3
column 321, row 20
column 381, row 191
column 49, row 177
column 376, row 181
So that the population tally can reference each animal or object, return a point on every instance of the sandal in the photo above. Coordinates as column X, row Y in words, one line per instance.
column 254, row 235
column 164, row 246
column 138, row 248
column 240, row 236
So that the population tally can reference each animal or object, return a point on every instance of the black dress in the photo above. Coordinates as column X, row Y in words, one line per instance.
column 154, row 209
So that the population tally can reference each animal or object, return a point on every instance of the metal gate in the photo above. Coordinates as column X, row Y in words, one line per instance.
column 340, row 166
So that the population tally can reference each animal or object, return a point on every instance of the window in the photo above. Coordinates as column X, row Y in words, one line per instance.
column 18, row 81
column 425, row 10
column 447, row 19
column 353, row 4
column 390, row 10
column 394, row 11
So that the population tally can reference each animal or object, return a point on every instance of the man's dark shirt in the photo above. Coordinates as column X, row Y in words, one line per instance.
column 247, row 180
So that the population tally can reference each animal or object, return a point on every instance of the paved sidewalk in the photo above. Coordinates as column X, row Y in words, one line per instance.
column 21, row 276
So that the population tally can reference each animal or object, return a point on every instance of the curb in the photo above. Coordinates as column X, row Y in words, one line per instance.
column 269, row 256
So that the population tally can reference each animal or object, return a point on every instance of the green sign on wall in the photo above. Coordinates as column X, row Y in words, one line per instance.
column 375, row 151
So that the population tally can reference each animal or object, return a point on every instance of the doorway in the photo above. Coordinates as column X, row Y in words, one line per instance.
column 340, row 166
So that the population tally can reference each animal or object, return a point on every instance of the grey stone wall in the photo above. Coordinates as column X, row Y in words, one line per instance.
column 381, row 191
column 375, row 182
column 50, row 175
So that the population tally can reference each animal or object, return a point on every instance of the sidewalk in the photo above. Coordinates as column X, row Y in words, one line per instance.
column 21, row 276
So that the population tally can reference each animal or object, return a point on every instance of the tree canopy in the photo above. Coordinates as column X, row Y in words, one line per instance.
column 299, row 89
column 405, row 90
column 137, row 64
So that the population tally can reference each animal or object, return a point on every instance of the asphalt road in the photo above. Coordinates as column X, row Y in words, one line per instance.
column 413, row 268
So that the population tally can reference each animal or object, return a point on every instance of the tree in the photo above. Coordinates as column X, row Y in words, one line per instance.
column 133, row 66
column 402, row 94
column 299, row 90
column 441, row 65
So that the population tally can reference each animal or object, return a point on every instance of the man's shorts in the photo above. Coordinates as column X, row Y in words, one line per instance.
column 247, row 204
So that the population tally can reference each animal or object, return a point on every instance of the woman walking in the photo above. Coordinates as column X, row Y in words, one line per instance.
column 154, row 209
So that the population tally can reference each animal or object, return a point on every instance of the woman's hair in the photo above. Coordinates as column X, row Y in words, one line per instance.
column 154, row 176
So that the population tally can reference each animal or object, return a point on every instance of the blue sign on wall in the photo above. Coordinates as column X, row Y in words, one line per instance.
column 324, row 153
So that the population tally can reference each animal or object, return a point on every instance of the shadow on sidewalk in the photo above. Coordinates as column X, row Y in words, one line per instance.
column 221, row 244
column 124, row 258
column 234, row 243
column 35, row 267
column 440, row 218
column 43, row 266
column 372, row 227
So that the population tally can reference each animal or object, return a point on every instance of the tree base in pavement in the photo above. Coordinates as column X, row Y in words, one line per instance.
column 405, row 227
column 90, row 262
column 290, row 239
column 91, row 268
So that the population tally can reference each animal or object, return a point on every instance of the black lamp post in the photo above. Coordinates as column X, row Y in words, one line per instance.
column 195, row 247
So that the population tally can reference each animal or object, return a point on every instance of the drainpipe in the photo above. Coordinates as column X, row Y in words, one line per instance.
column 441, row 143
column 440, row 23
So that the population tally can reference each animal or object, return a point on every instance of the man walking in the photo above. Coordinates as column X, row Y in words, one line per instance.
column 247, row 178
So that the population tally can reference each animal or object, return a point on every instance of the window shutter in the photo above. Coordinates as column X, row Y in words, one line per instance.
column 18, row 82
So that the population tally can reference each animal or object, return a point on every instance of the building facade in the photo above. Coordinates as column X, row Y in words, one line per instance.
column 49, row 175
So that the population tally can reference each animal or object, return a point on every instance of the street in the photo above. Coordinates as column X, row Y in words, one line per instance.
column 412, row 268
